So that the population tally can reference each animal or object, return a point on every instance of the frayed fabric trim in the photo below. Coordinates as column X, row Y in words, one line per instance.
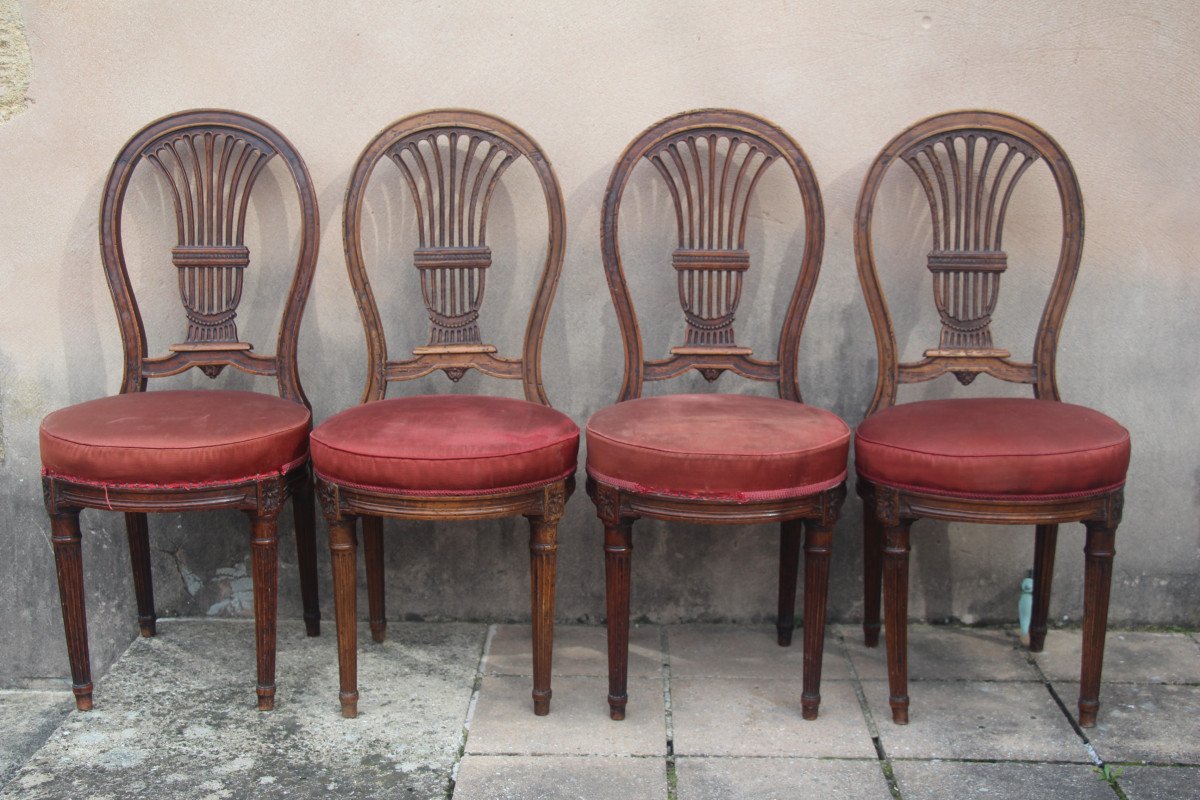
column 444, row 492
column 728, row 497
column 106, row 485
column 986, row 496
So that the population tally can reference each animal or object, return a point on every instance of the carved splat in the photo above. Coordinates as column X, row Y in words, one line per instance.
column 451, row 174
column 711, row 177
column 968, row 177
column 211, row 172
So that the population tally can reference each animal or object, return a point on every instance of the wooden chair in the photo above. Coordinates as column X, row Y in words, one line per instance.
column 716, row 458
column 447, row 457
column 171, row 451
column 1006, row 461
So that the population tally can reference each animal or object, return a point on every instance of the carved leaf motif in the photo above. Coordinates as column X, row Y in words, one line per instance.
column 270, row 496
column 455, row 374
column 711, row 373
column 554, row 501
column 212, row 370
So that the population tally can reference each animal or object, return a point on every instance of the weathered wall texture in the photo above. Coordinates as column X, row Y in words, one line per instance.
column 1118, row 88
column 15, row 64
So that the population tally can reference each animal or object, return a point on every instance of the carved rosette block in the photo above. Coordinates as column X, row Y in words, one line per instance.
column 452, row 285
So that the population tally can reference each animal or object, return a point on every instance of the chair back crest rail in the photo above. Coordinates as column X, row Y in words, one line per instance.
column 210, row 161
column 711, row 162
column 968, row 164
column 451, row 161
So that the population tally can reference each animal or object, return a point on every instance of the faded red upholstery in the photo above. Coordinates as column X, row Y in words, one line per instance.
column 717, row 446
column 993, row 447
column 446, row 444
column 174, row 437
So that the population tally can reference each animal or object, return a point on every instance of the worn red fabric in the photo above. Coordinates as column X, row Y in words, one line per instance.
column 993, row 447
column 717, row 446
column 446, row 444
column 174, row 437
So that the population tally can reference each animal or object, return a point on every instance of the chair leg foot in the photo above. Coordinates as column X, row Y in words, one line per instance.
column 83, row 697
column 899, row 709
column 616, row 706
column 266, row 698
column 1088, row 709
column 541, row 703
column 809, row 704
column 871, row 635
column 349, row 704
column 147, row 627
column 783, row 636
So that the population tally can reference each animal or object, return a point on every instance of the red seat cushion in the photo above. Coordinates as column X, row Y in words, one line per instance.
column 175, row 437
column 717, row 446
column 993, row 447
column 446, row 445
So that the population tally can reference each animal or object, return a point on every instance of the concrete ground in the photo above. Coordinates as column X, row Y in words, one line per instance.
column 713, row 713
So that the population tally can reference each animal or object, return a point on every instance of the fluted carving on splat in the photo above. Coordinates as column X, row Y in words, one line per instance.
column 711, row 177
column 968, row 178
column 211, row 173
column 451, row 175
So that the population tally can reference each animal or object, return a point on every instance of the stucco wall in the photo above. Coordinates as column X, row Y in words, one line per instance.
column 1115, row 83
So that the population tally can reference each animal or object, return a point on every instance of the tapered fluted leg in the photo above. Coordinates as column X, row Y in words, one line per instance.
column 818, row 545
column 618, row 548
column 1043, row 578
column 872, row 575
column 343, row 550
column 543, row 555
column 1098, row 556
column 138, row 534
column 68, row 559
column 372, row 531
column 789, row 565
column 304, row 512
column 895, row 605
column 264, row 557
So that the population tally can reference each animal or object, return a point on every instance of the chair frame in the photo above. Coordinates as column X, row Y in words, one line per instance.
column 343, row 504
column 262, row 497
column 618, row 508
column 889, row 511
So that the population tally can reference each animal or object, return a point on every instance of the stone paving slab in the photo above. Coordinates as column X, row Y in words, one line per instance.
column 27, row 718
column 1129, row 657
column 976, row 720
column 1148, row 722
column 561, row 778
column 779, row 779
column 744, row 651
column 175, row 717
column 578, row 650
column 578, row 723
column 945, row 653
column 760, row 717
column 955, row 780
column 1160, row 783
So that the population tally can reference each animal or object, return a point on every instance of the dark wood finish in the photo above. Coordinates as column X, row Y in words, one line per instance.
column 372, row 534
column 451, row 161
column 343, row 555
column 711, row 162
column 872, row 568
column 968, row 164
column 789, row 569
column 209, row 161
column 1045, row 544
column 138, row 533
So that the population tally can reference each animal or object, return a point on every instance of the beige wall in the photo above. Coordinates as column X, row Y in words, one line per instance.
column 1115, row 83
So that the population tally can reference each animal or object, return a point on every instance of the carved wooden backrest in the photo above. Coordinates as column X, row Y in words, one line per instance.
column 969, row 163
column 209, row 161
column 711, row 162
column 451, row 162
